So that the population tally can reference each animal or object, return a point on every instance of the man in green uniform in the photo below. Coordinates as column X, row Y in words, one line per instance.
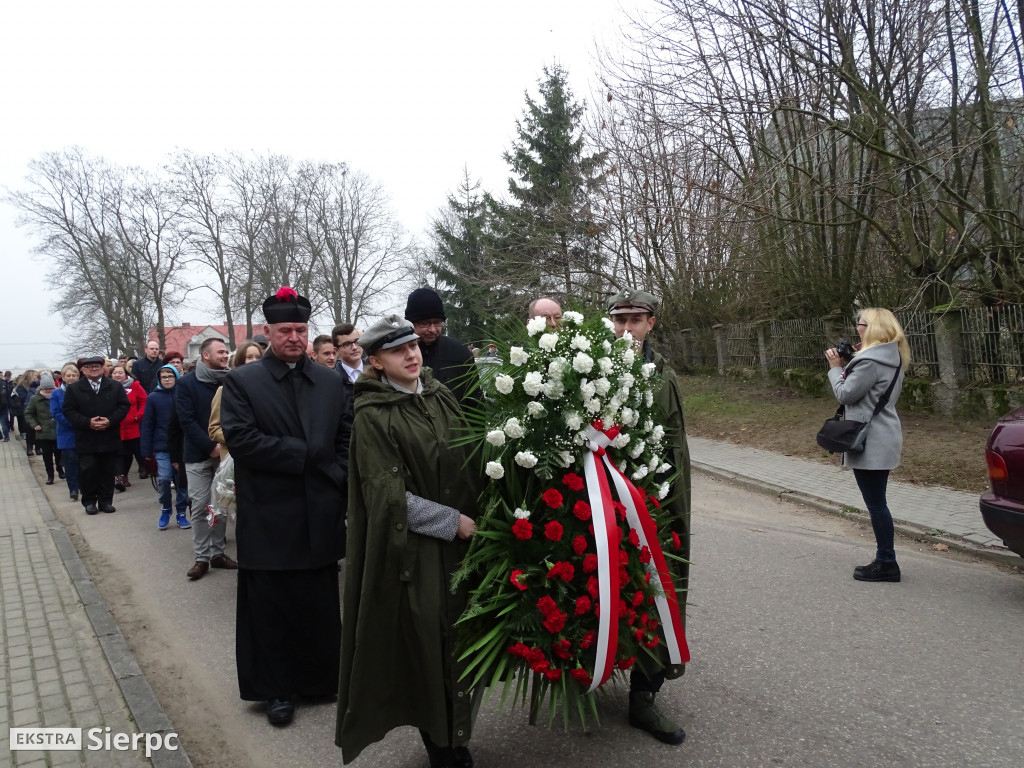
column 633, row 311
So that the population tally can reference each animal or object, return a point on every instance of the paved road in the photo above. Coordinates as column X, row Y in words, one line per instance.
column 794, row 663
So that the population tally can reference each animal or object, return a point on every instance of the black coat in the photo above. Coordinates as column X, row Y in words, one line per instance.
column 192, row 399
column 453, row 365
column 288, row 433
column 144, row 372
column 81, row 404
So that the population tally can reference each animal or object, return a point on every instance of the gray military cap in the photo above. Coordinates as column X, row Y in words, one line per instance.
column 387, row 333
column 630, row 300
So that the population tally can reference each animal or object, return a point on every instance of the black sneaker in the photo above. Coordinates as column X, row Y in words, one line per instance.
column 877, row 570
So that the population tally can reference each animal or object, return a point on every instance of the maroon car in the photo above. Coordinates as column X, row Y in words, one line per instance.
column 1002, row 507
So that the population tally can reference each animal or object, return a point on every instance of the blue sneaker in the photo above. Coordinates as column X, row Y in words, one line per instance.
column 165, row 519
column 183, row 520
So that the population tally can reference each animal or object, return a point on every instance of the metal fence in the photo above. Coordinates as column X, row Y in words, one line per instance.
column 992, row 340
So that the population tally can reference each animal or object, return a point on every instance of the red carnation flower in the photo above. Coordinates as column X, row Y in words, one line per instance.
column 593, row 587
column 580, row 676
column 284, row 293
column 640, row 635
column 630, row 617
column 589, row 563
column 552, row 498
column 554, row 675
column 652, row 642
column 555, row 622
column 582, row 605
column 625, row 664
column 574, row 482
column 647, row 577
column 534, row 655
column 638, row 598
column 623, row 577
column 582, row 510
column 589, row 637
column 623, row 557
column 654, row 501
column 645, row 555
column 597, row 610
column 675, row 540
column 546, row 605
column 519, row 582
column 519, row 649
column 579, row 545
column 522, row 529
column 620, row 509
column 539, row 666
column 561, row 649
column 553, row 530
column 563, row 571
column 645, row 619
column 622, row 606
column 634, row 538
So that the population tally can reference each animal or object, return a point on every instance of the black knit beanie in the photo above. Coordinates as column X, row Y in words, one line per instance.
column 423, row 304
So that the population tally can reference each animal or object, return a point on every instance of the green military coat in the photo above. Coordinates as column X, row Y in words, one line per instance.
column 397, row 662
column 669, row 400
column 37, row 413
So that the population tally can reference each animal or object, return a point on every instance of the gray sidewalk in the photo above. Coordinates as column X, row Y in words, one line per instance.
column 930, row 509
column 65, row 662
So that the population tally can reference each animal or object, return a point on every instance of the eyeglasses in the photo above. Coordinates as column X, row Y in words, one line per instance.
column 428, row 324
column 346, row 345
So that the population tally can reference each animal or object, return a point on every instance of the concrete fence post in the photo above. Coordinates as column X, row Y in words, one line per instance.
column 720, row 347
column 685, row 348
column 761, row 329
column 949, row 348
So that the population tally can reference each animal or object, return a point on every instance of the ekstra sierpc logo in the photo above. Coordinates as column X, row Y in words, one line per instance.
column 95, row 739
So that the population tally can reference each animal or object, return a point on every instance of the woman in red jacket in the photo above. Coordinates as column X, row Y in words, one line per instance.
column 130, row 427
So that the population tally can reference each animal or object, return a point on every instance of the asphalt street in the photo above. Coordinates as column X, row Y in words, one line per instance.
column 794, row 662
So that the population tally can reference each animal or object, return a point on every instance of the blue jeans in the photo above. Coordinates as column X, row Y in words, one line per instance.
column 165, row 474
column 70, row 458
column 872, row 484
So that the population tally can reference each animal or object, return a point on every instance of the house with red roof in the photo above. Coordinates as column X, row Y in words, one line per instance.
column 187, row 338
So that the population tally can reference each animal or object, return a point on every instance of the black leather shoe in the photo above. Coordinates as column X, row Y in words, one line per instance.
column 107, row 507
column 877, row 570
column 91, row 509
column 280, row 712
column 49, row 481
column 461, row 758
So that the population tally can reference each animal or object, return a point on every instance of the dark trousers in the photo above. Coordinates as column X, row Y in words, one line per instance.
column 872, row 484
column 129, row 449
column 70, row 458
column 638, row 681
column 96, row 472
column 50, row 453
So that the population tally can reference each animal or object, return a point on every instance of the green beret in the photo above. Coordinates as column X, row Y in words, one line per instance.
column 631, row 300
column 387, row 333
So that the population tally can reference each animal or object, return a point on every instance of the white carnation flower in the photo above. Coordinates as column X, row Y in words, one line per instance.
column 513, row 428
column 555, row 368
column 526, row 459
column 573, row 420
column 532, row 383
column 621, row 440
column 504, row 383
column 553, row 389
column 593, row 405
column 648, row 425
column 566, row 458
column 663, row 490
column 602, row 386
column 665, row 467
column 649, row 398
column 606, row 345
column 658, row 432
column 517, row 356
column 521, row 514
column 640, row 473
column 653, row 464
column 496, row 437
column 627, row 338
column 647, row 370
column 637, row 449
column 634, row 417
column 627, row 415
column 536, row 325
column 608, row 323
column 494, row 470
column 582, row 343
column 572, row 317
column 548, row 342
column 605, row 365
column 627, row 380
column 628, row 357
column 587, row 389
column 582, row 363
column 535, row 409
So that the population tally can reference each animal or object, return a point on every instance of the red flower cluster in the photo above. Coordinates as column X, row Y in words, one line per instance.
column 553, row 530
column 625, row 664
column 634, row 538
column 579, row 545
column 562, row 649
column 654, row 501
column 561, row 570
column 574, row 482
column 590, row 563
column 535, row 658
column 581, row 676
column 552, row 498
column 675, row 540
column 620, row 509
column 554, row 619
column 582, row 605
column 645, row 556
column 582, row 510
column 638, row 598
column 522, row 529
column 519, row 579
column 589, row 638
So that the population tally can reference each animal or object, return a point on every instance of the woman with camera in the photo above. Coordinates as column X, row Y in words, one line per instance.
column 876, row 368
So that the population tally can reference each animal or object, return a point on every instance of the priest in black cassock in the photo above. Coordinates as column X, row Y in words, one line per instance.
column 287, row 423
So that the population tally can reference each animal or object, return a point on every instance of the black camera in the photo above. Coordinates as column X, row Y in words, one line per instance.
column 845, row 350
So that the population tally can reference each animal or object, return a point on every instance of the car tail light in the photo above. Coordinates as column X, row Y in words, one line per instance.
column 996, row 466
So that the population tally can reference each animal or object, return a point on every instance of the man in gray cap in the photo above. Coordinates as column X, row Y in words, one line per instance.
column 448, row 358
column 96, row 406
column 287, row 423
column 634, row 311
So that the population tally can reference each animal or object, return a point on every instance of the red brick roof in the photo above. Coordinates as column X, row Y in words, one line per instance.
column 178, row 337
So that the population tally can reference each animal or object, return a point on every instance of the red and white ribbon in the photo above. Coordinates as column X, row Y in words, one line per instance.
column 640, row 520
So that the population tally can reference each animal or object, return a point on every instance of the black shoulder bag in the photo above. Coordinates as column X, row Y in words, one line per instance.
column 839, row 435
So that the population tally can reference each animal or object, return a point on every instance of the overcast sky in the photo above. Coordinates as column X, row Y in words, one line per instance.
column 407, row 91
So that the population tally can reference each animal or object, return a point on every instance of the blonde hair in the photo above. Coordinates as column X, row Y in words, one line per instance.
column 883, row 327
column 68, row 367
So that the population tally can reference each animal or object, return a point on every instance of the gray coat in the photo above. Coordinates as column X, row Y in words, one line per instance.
column 859, row 386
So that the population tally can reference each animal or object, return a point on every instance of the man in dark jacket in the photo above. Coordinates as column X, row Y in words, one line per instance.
column 194, row 396
column 144, row 369
column 448, row 358
column 287, row 422
column 96, row 406
column 5, row 402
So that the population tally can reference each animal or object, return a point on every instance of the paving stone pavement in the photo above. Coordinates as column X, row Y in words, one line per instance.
column 65, row 662
column 927, row 507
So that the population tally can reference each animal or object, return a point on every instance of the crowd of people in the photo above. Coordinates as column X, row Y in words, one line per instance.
column 342, row 453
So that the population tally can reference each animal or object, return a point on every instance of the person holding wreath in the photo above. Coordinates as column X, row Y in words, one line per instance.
column 412, row 504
